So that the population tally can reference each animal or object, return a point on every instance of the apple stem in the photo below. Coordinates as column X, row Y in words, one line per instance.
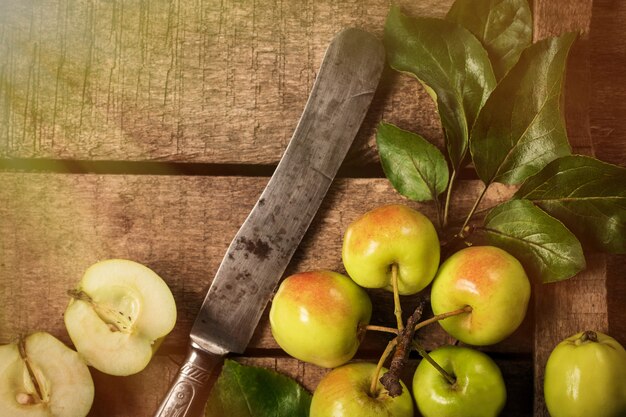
column 397, row 308
column 390, row 346
column 589, row 336
column 466, row 309
column 381, row 329
column 451, row 380
column 36, row 397
column 117, row 320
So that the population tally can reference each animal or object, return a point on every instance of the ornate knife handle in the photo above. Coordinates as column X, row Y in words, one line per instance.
column 190, row 390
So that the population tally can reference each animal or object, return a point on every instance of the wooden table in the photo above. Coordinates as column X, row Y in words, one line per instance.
column 147, row 130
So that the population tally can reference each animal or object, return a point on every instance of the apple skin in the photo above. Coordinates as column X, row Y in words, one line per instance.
column 489, row 280
column 344, row 392
column 387, row 235
column 586, row 378
column 320, row 317
column 479, row 390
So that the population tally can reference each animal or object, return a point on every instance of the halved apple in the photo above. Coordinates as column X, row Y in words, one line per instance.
column 118, row 316
column 41, row 377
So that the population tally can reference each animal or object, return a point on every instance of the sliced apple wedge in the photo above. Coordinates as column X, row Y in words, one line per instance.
column 118, row 315
column 41, row 377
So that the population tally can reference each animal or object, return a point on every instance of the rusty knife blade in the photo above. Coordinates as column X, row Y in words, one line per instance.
column 263, row 246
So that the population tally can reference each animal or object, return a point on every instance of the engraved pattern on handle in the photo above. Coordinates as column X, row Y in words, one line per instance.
column 190, row 391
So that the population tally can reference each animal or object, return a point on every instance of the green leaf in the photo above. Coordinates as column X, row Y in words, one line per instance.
column 504, row 27
column 415, row 167
column 521, row 128
column 587, row 195
column 546, row 248
column 451, row 62
column 248, row 391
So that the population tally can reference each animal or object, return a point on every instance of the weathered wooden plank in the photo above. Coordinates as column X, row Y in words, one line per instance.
column 202, row 81
column 608, row 58
column 211, row 81
column 139, row 395
column 565, row 308
column 53, row 226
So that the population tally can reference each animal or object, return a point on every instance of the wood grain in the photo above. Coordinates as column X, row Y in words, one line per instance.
column 203, row 81
column 53, row 226
column 580, row 303
column 608, row 82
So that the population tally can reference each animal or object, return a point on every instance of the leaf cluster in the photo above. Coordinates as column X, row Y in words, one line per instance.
column 499, row 98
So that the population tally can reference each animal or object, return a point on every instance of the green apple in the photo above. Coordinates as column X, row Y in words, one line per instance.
column 320, row 317
column 586, row 376
column 387, row 236
column 490, row 281
column 478, row 390
column 118, row 315
column 345, row 392
column 41, row 377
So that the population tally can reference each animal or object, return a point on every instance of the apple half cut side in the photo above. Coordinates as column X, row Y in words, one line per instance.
column 118, row 316
column 41, row 377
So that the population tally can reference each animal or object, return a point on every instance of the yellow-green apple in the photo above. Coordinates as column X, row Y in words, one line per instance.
column 391, row 235
column 320, row 317
column 118, row 316
column 41, row 377
column 478, row 389
column 345, row 392
column 586, row 376
column 489, row 280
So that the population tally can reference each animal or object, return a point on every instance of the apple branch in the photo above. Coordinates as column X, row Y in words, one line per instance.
column 472, row 211
column 446, row 207
column 391, row 380
column 397, row 307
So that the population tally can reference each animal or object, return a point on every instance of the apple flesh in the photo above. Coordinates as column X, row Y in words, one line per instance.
column 586, row 376
column 478, row 390
column 320, row 317
column 391, row 235
column 41, row 377
column 489, row 280
column 345, row 392
column 118, row 315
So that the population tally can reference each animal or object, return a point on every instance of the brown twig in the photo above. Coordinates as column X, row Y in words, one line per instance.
column 391, row 380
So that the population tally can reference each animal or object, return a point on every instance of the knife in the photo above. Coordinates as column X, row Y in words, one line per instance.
column 262, row 248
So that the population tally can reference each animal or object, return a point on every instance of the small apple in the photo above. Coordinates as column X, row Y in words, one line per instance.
column 41, row 377
column 320, row 317
column 490, row 281
column 118, row 316
column 391, row 235
column 478, row 390
column 345, row 392
column 586, row 376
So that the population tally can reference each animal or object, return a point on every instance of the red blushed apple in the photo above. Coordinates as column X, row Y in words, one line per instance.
column 320, row 317
column 345, row 392
column 489, row 280
column 391, row 236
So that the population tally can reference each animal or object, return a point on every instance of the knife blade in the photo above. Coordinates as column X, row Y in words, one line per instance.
column 262, row 248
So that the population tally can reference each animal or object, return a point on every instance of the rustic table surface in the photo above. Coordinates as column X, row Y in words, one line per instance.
column 146, row 130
